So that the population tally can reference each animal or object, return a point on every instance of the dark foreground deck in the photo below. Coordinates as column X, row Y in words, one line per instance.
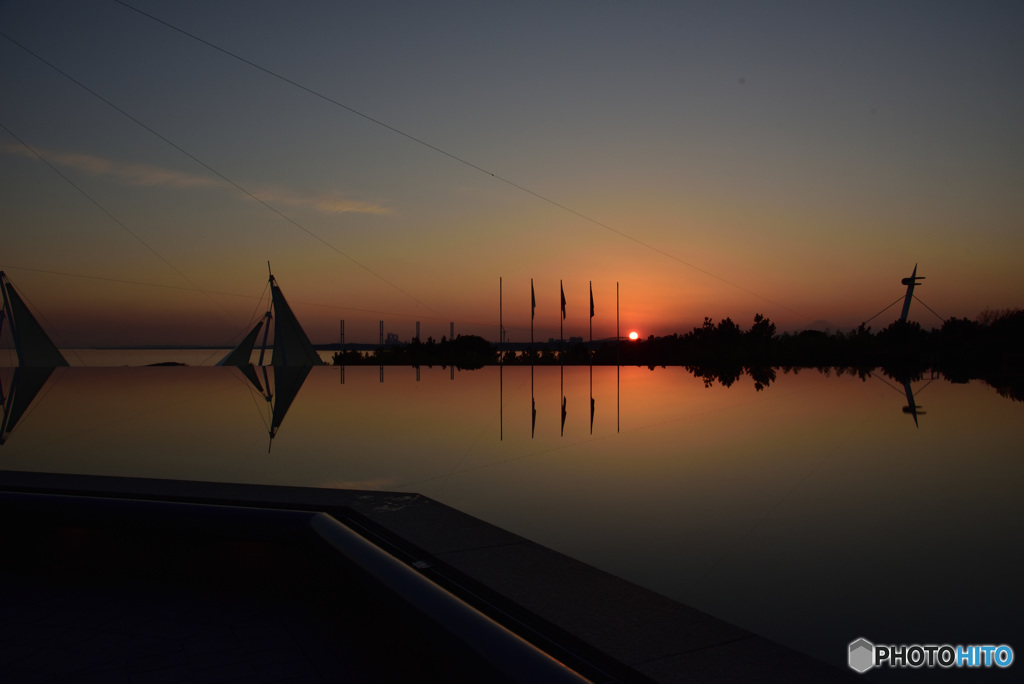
column 134, row 580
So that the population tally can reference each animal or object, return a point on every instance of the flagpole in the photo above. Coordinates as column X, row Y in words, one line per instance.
column 501, row 325
column 533, row 312
column 561, row 326
column 618, row 338
column 591, row 313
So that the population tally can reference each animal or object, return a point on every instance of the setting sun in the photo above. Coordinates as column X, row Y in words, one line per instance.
column 634, row 335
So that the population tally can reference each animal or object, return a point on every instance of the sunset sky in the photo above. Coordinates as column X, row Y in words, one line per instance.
column 795, row 159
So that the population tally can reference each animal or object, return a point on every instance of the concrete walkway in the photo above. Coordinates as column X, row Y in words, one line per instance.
column 96, row 603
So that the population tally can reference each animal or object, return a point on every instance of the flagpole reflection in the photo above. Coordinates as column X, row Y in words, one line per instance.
column 533, row 406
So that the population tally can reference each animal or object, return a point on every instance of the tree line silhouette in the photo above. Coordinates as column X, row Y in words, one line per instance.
column 990, row 347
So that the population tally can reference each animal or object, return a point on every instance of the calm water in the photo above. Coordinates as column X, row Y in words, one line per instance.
column 814, row 512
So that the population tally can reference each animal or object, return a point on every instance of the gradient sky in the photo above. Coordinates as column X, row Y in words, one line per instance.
column 716, row 159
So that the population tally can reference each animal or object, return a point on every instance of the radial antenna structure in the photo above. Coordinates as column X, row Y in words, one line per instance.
column 910, row 283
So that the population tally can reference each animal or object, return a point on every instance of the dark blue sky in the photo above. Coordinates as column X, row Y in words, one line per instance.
column 721, row 159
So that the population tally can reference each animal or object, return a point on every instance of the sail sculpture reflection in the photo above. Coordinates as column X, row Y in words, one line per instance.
column 25, row 385
column 293, row 356
column 37, row 357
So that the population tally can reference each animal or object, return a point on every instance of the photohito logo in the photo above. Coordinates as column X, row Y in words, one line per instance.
column 864, row 655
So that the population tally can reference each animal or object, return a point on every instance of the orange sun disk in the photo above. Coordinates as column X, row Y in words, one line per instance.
column 634, row 335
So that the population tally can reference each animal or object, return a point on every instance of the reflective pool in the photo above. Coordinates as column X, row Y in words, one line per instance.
column 819, row 509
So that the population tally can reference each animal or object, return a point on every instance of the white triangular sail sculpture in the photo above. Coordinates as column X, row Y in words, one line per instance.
column 37, row 357
column 242, row 354
column 33, row 346
column 291, row 345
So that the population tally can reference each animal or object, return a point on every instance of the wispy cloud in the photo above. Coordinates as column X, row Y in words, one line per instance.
column 327, row 204
column 147, row 175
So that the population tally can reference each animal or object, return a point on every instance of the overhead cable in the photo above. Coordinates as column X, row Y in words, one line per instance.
column 218, row 173
column 454, row 157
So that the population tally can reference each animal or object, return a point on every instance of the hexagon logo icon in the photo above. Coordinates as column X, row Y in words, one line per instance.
column 862, row 655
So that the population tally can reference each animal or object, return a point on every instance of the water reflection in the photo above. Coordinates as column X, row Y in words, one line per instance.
column 802, row 505
column 18, row 394
column 280, row 386
column 912, row 408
